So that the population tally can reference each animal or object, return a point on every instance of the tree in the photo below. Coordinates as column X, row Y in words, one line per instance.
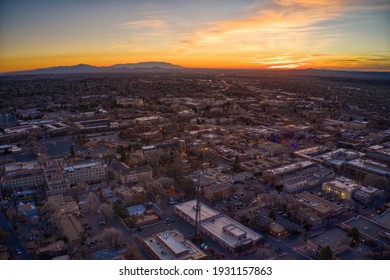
column 4, row 236
column 355, row 234
column 72, row 151
column 325, row 253
column 110, row 237
column 272, row 214
column 376, row 181
column 120, row 209
column 110, row 175
column 12, row 214
column 236, row 164
column 92, row 202
column 187, row 187
column 175, row 170
column 279, row 187
column 106, row 211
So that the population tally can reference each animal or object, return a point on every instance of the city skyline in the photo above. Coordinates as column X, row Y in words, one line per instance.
column 284, row 34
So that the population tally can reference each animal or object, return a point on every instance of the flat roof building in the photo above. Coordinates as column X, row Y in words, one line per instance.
column 384, row 219
column 341, row 186
column 363, row 167
column 336, row 238
column 230, row 234
column 187, row 211
column 370, row 229
column 321, row 206
column 88, row 171
column 227, row 232
column 172, row 245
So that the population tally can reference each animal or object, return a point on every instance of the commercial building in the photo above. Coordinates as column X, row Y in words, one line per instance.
column 336, row 238
column 88, row 171
column 126, row 174
column 20, row 130
column 366, row 194
column 379, row 153
column 22, row 176
column 321, row 207
column 172, row 245
column 278, row 172
column 96, row 125
column 305, row 178
column 341, row 186
column 217, row 190
column 227, row 232
column 361, row 167
column 384, row 219
column 370, row 230
column 345, row 188
column 56, row 181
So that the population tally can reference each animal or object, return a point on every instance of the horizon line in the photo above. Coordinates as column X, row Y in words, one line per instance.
column 200, row 68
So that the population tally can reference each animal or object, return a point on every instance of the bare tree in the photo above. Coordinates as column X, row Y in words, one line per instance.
column 110, row 237
column 92, row 202
column 107, row 211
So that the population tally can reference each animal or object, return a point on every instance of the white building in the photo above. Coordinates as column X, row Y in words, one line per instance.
column 227, row 232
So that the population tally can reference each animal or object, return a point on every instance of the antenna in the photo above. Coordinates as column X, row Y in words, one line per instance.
column 197, row 208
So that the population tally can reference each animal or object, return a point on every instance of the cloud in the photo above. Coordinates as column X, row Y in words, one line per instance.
column 340, row 61
column 151, row 23
column 285, row 33
column 267, row 25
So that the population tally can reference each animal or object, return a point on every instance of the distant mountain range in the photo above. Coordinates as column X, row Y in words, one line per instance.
column 153, row 66
column 85, row 68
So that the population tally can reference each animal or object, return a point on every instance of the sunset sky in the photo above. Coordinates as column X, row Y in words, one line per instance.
column 337, row 34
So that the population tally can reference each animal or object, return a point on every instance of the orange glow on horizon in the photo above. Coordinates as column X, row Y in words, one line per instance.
column 356, row 62
column 280, row 34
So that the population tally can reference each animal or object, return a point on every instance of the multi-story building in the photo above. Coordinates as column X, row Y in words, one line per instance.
column 306, row 178
column 275, row 173
column 88, row 171
column 22, row 176
column 346, row 188
column 126, row 174
column 341, row 186
column 379, row 153
column 229, row 233
column 361, row 168
column 56, row 181
column 298, row 176
column 366, row 194
column 321, row 207
column 217, row 190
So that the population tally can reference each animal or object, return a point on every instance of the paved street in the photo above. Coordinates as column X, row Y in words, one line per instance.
column 13, row 241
